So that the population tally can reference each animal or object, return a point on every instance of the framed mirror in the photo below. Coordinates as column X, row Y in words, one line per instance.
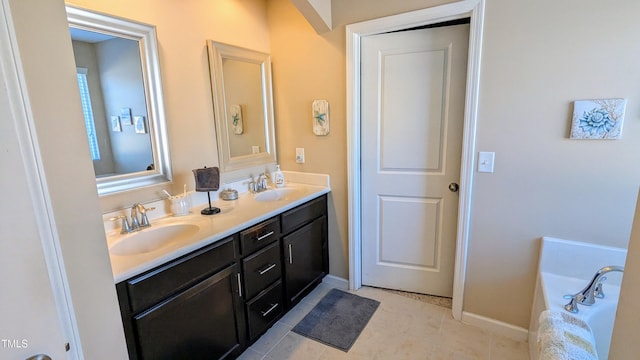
column 243, row 107
column 121, row 93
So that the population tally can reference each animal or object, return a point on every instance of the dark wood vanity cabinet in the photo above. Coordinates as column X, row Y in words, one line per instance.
column 203, row 322
column 189, row 308
column 212, row 303
column 262, row 274
column 305, row 248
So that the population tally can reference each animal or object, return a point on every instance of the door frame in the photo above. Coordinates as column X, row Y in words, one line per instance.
column 474, row 9
column 43, row 215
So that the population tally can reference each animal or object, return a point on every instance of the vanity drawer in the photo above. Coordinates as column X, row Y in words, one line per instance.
column 265, row 310
column 259, row 235
column 160, row 283
column 302, row 214
column 261, row 269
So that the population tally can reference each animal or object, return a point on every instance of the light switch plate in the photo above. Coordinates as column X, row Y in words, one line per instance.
column 300, row 155
column 485, row 161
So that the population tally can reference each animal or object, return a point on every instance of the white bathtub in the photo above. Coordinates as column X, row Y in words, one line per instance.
column 566, row 267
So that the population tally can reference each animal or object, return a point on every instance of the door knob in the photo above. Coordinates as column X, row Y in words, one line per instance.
column 454, row 187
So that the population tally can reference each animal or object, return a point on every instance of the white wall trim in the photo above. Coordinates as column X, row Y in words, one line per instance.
column 496, row 327
column 10, row 66
column 336, row 282
column 466, row 8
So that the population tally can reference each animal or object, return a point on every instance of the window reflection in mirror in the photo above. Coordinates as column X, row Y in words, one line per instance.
column 112, row 92
column 121, row 95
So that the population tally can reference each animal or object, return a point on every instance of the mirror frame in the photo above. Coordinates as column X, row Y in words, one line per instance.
column 145, row 35
column 217, row 52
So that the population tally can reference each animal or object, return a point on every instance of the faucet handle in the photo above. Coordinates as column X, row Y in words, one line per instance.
column 126, row 228
column 597, row 291
column 144, row 221
column 572, row 305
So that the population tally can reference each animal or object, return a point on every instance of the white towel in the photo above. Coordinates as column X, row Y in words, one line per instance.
column 562, row 336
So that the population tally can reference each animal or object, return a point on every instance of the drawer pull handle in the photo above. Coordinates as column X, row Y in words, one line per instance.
column 239, row 285
column 264, row 271
column 273, row 307
column 259, row 238
column 290, row 255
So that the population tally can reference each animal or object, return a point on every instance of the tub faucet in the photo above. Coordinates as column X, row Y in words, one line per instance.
column 593, row 290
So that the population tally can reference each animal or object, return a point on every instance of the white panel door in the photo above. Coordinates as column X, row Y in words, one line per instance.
column 413, row 86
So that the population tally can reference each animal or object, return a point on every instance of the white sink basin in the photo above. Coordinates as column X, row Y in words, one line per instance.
column 273, row 194
column 151, row 239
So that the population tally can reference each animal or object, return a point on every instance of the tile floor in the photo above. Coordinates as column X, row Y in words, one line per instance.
column 401, row 328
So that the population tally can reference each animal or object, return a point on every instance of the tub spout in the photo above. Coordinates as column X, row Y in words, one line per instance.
column 593, row 290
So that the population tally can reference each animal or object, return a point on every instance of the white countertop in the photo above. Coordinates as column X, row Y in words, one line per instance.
column 235, row 216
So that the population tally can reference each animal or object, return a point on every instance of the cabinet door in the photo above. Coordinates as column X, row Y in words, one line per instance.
column 205, row 321
column 304, row 253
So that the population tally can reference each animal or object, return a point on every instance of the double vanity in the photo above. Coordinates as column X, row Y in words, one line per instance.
column 200, row 286
column 193, row 286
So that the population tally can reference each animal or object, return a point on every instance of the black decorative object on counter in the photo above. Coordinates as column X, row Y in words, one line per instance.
column 208, row 179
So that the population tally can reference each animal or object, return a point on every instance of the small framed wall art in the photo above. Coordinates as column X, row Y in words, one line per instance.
column 320, row 113
column 236, row 119
column 598, row 119
column 139, row 125
column 125, row 116
column 115, row 124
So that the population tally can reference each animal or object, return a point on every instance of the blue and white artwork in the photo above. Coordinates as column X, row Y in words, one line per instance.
column 598, row 119
column 320, row 113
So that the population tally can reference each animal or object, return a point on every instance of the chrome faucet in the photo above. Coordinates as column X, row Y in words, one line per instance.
column 143, row 222
column 135, row 224
column 263, row 181
column 260, row 184
column 593, row 290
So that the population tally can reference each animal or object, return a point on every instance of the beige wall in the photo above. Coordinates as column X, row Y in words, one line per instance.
column 538, row 57
column 182, row 29
column 50, row 78
column 62, row 140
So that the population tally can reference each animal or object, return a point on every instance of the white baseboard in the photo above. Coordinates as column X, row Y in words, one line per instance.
column 496, row 327
column 336, row 282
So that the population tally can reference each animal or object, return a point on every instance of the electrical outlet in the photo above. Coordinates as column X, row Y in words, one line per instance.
column 300, row 155
column 255, row 149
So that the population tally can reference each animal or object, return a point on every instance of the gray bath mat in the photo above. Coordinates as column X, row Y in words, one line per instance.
column 338, row 319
